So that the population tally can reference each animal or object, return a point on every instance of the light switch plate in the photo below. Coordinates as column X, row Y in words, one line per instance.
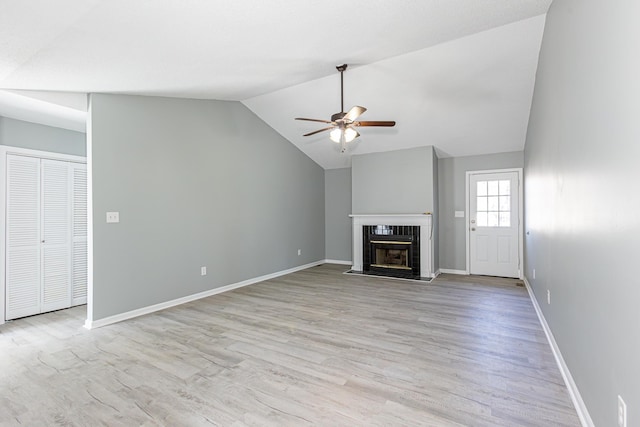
column 459, row 214
column 113, row 217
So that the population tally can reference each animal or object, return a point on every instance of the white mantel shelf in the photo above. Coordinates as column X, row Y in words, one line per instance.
column 388, row 215
column 424, row 220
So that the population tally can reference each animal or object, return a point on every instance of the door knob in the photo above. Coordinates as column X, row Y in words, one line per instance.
column 473, row 229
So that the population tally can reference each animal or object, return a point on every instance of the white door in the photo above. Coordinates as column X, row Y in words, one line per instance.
column 56, row 235
column 22, row 262
column 494, row 239
column 46, row 235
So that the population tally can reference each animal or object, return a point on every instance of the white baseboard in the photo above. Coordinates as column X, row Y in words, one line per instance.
column 581, row 408
column 89, row 324
column 337, row 261
column 451, row 271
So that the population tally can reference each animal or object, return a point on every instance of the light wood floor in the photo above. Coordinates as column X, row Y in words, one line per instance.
column 316, row 347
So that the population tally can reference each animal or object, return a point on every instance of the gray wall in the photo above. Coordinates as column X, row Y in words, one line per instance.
column 451, row 194
column 337, row 207
column 581, row 197
column 18, row 133
column 197, row 183
column 394, row 182
column 436, row 212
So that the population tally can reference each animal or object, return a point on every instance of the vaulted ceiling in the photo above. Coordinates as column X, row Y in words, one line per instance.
column 455, row 74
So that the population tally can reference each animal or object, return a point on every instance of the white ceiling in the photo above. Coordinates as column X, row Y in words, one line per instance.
column 57, row 109
column 456, row 74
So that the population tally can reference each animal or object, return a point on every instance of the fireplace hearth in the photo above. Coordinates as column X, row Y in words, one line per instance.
column 391, row 250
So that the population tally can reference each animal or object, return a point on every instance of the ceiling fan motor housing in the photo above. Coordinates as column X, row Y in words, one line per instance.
column 338, row 116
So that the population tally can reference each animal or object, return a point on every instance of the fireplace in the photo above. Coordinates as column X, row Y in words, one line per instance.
column 391, row 250
column 423, row 240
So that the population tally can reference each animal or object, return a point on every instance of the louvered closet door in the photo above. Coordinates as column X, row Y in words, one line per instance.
column 56, row 235
column 23, row 237
column 79, row 234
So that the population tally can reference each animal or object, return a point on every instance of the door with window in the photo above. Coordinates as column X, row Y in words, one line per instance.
column 494, row 223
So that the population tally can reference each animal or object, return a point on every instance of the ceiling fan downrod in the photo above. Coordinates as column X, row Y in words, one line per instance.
column 341, row 114
column 342, row 69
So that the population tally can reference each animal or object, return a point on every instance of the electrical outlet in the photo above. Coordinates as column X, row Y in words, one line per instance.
column 534, row 273
column 622, row 412
column 548, row 296
column 203, row 271
column 113, row 217
column 299, row 252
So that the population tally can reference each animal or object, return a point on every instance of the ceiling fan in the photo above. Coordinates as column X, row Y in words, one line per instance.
column 342, row 125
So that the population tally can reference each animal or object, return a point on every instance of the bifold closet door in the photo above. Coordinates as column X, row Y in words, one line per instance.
column 22, row 275
column 55, row 186
column 46, row 244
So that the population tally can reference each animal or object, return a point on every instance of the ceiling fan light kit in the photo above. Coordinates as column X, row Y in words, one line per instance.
column 338, row 134
column 342, row 124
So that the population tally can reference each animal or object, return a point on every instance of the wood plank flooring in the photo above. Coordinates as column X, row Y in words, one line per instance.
column 316, row 347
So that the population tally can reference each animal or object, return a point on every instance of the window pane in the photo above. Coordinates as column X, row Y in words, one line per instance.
column 492, row 188
column 482, row 188
column 505, row 204
column 492, row 219
column 481, row 218
column 481, row 204
column 505, row 219
column 492, row 204
column 505, row 188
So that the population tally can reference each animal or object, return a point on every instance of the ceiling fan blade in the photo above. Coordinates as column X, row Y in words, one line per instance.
column 313, row 120
column 318, row 131
column 383, row 123
column 354, row 113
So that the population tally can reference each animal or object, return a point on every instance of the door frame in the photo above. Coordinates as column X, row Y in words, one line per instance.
column 4, row 150
column 520, row 215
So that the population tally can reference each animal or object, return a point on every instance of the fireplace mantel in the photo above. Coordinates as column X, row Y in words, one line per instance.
column 425, row 222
